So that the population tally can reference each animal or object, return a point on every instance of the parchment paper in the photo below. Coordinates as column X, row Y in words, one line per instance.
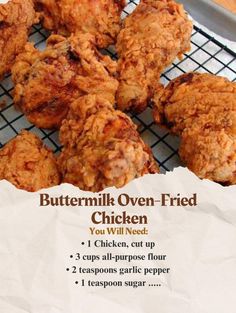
column 200, row 244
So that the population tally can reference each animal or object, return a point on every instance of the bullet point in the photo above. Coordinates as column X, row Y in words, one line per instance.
column 76, row 282
column 67, row 269
column 82, row 243
column 71, row 256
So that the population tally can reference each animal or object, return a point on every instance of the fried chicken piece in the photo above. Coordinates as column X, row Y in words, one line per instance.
column 48, row 81
column 100, row 18
column 16, row 18
column 27, row 164
column 102, row 147
column 209, row 147
column 155, row 34
column 201, row 108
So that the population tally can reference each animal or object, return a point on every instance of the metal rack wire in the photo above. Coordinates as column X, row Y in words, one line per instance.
column 207, row 55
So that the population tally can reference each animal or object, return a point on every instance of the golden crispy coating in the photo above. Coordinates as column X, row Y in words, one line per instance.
column 209, row 147
column 201, row 108
column 192, row 95
column 16, row 18
column 102, row 147
column 47, row 82
column 152, row 37
column 100, row 18
column 27, row 164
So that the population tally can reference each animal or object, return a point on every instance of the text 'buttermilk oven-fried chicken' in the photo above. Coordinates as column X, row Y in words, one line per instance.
column 48, row 81
column 155, row 34
column 100, row 18
column 16, row 18
column 27, row 164
column 201, row 108
column 102, row 147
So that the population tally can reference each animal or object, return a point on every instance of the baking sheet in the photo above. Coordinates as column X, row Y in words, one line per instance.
column 215, row 17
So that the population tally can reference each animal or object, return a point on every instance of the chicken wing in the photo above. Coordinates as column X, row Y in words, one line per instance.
column 27, row 164
column 201, row 108
column 100, row 18
column 16, row 18
column 101, row 147
column 155, row 34
column 47, row 82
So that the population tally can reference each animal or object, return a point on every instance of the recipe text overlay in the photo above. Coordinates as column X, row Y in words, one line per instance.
column 123, row 200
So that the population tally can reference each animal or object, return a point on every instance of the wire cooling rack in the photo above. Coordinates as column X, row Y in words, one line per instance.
column 207, row 55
